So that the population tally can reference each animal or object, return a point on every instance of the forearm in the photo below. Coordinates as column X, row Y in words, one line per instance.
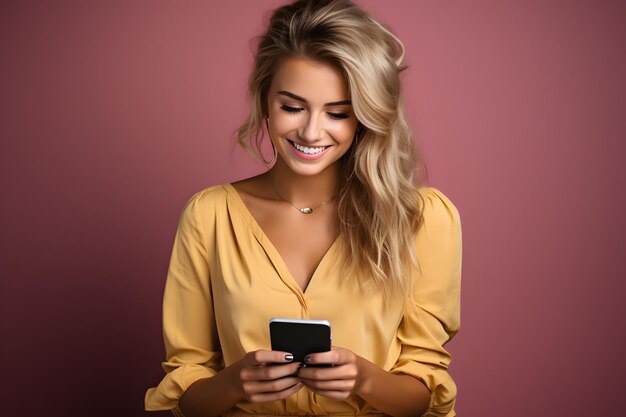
column 250, row 379
column 211, row 396
column 395, row 395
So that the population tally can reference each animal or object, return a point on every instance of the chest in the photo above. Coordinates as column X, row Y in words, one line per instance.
column 301, row 242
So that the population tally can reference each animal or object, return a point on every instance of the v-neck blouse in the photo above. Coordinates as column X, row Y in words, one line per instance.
column 270, row 249
column 226, row 281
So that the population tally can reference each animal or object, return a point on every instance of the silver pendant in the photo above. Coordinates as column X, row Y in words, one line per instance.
column 306, row 210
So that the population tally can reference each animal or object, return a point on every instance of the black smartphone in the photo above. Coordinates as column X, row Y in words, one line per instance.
column 300, row 337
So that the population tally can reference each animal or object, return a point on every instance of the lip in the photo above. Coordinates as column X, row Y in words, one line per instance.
column 306, row 156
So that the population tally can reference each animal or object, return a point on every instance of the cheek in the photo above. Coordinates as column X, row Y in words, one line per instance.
column 276, row 125
column 283, row 122
column 345, row 133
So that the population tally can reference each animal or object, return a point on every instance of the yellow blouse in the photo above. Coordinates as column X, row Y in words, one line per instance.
column 226, row 281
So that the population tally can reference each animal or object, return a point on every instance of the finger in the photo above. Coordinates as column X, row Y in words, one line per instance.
column 335, row 395
column 348, row 371
column 336, row 356
column 322, row 358
column 268, row 373
column 346, row 385
column 269, row 387
column 268, row 397
column 262, row 357
column 263, row 397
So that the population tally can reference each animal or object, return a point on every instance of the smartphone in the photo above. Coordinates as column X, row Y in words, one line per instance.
column 300, row 337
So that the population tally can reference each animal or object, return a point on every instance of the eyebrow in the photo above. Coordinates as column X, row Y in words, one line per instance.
column 303, row 100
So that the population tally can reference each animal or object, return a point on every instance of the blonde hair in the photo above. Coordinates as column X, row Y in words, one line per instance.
column 379, row 208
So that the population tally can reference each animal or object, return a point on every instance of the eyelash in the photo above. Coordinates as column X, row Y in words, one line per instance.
column 334, row 116
column 290, row 109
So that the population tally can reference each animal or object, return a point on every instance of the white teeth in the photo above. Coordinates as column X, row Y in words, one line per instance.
column 307, row 150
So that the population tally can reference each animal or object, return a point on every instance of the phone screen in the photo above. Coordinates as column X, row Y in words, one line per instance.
column 300, row 337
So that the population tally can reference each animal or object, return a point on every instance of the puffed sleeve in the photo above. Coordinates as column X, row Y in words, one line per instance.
column 433, row 316
column 189, row 331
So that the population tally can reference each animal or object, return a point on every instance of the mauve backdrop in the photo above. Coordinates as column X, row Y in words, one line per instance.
column 115, row 112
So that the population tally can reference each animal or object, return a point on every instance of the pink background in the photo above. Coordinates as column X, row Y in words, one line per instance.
column 115, row 112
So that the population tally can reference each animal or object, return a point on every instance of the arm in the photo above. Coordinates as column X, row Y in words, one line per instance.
column 395, row 395
column 249, row 379
column 189, row 331
column 433, row 316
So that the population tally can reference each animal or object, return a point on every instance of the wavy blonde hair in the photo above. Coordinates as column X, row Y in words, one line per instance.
column 379, row 208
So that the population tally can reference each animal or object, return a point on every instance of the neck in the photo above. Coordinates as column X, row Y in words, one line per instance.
column 304, row 190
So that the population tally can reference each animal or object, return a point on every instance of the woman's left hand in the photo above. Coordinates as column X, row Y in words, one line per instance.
column 338, row 382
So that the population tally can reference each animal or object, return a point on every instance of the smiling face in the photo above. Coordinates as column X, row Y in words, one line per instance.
column 311, row 122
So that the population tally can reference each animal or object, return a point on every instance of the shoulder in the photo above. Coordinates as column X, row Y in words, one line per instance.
column 206, row 204
column 210, row 196
column 438, row 211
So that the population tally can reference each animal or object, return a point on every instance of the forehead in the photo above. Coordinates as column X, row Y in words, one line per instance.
column 315, row 81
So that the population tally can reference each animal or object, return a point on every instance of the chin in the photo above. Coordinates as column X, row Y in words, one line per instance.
column 308, row 170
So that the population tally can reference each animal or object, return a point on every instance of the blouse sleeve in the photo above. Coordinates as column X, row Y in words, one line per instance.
column 189, row 331
column 433, row 316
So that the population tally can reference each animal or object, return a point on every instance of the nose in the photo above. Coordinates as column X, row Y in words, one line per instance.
column 312, row 128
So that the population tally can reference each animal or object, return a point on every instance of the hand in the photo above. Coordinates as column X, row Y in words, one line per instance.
column 261, row 380
column 339, row 382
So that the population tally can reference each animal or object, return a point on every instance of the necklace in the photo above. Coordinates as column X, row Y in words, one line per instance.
column 303, row 210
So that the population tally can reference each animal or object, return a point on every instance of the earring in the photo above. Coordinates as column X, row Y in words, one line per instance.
column 275, row 156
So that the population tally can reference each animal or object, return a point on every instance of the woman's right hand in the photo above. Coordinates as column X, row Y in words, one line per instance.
column 265, row 375
column 260, row 376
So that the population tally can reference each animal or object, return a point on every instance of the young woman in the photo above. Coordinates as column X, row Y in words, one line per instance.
column 337, row 229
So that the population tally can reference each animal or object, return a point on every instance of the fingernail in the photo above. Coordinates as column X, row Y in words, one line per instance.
column 307, row 359
column 288, row 357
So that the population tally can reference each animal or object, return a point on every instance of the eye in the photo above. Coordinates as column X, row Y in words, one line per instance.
column 338, row 116
column 290, row 109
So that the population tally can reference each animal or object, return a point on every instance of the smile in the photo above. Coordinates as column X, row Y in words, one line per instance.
column 307, row 150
